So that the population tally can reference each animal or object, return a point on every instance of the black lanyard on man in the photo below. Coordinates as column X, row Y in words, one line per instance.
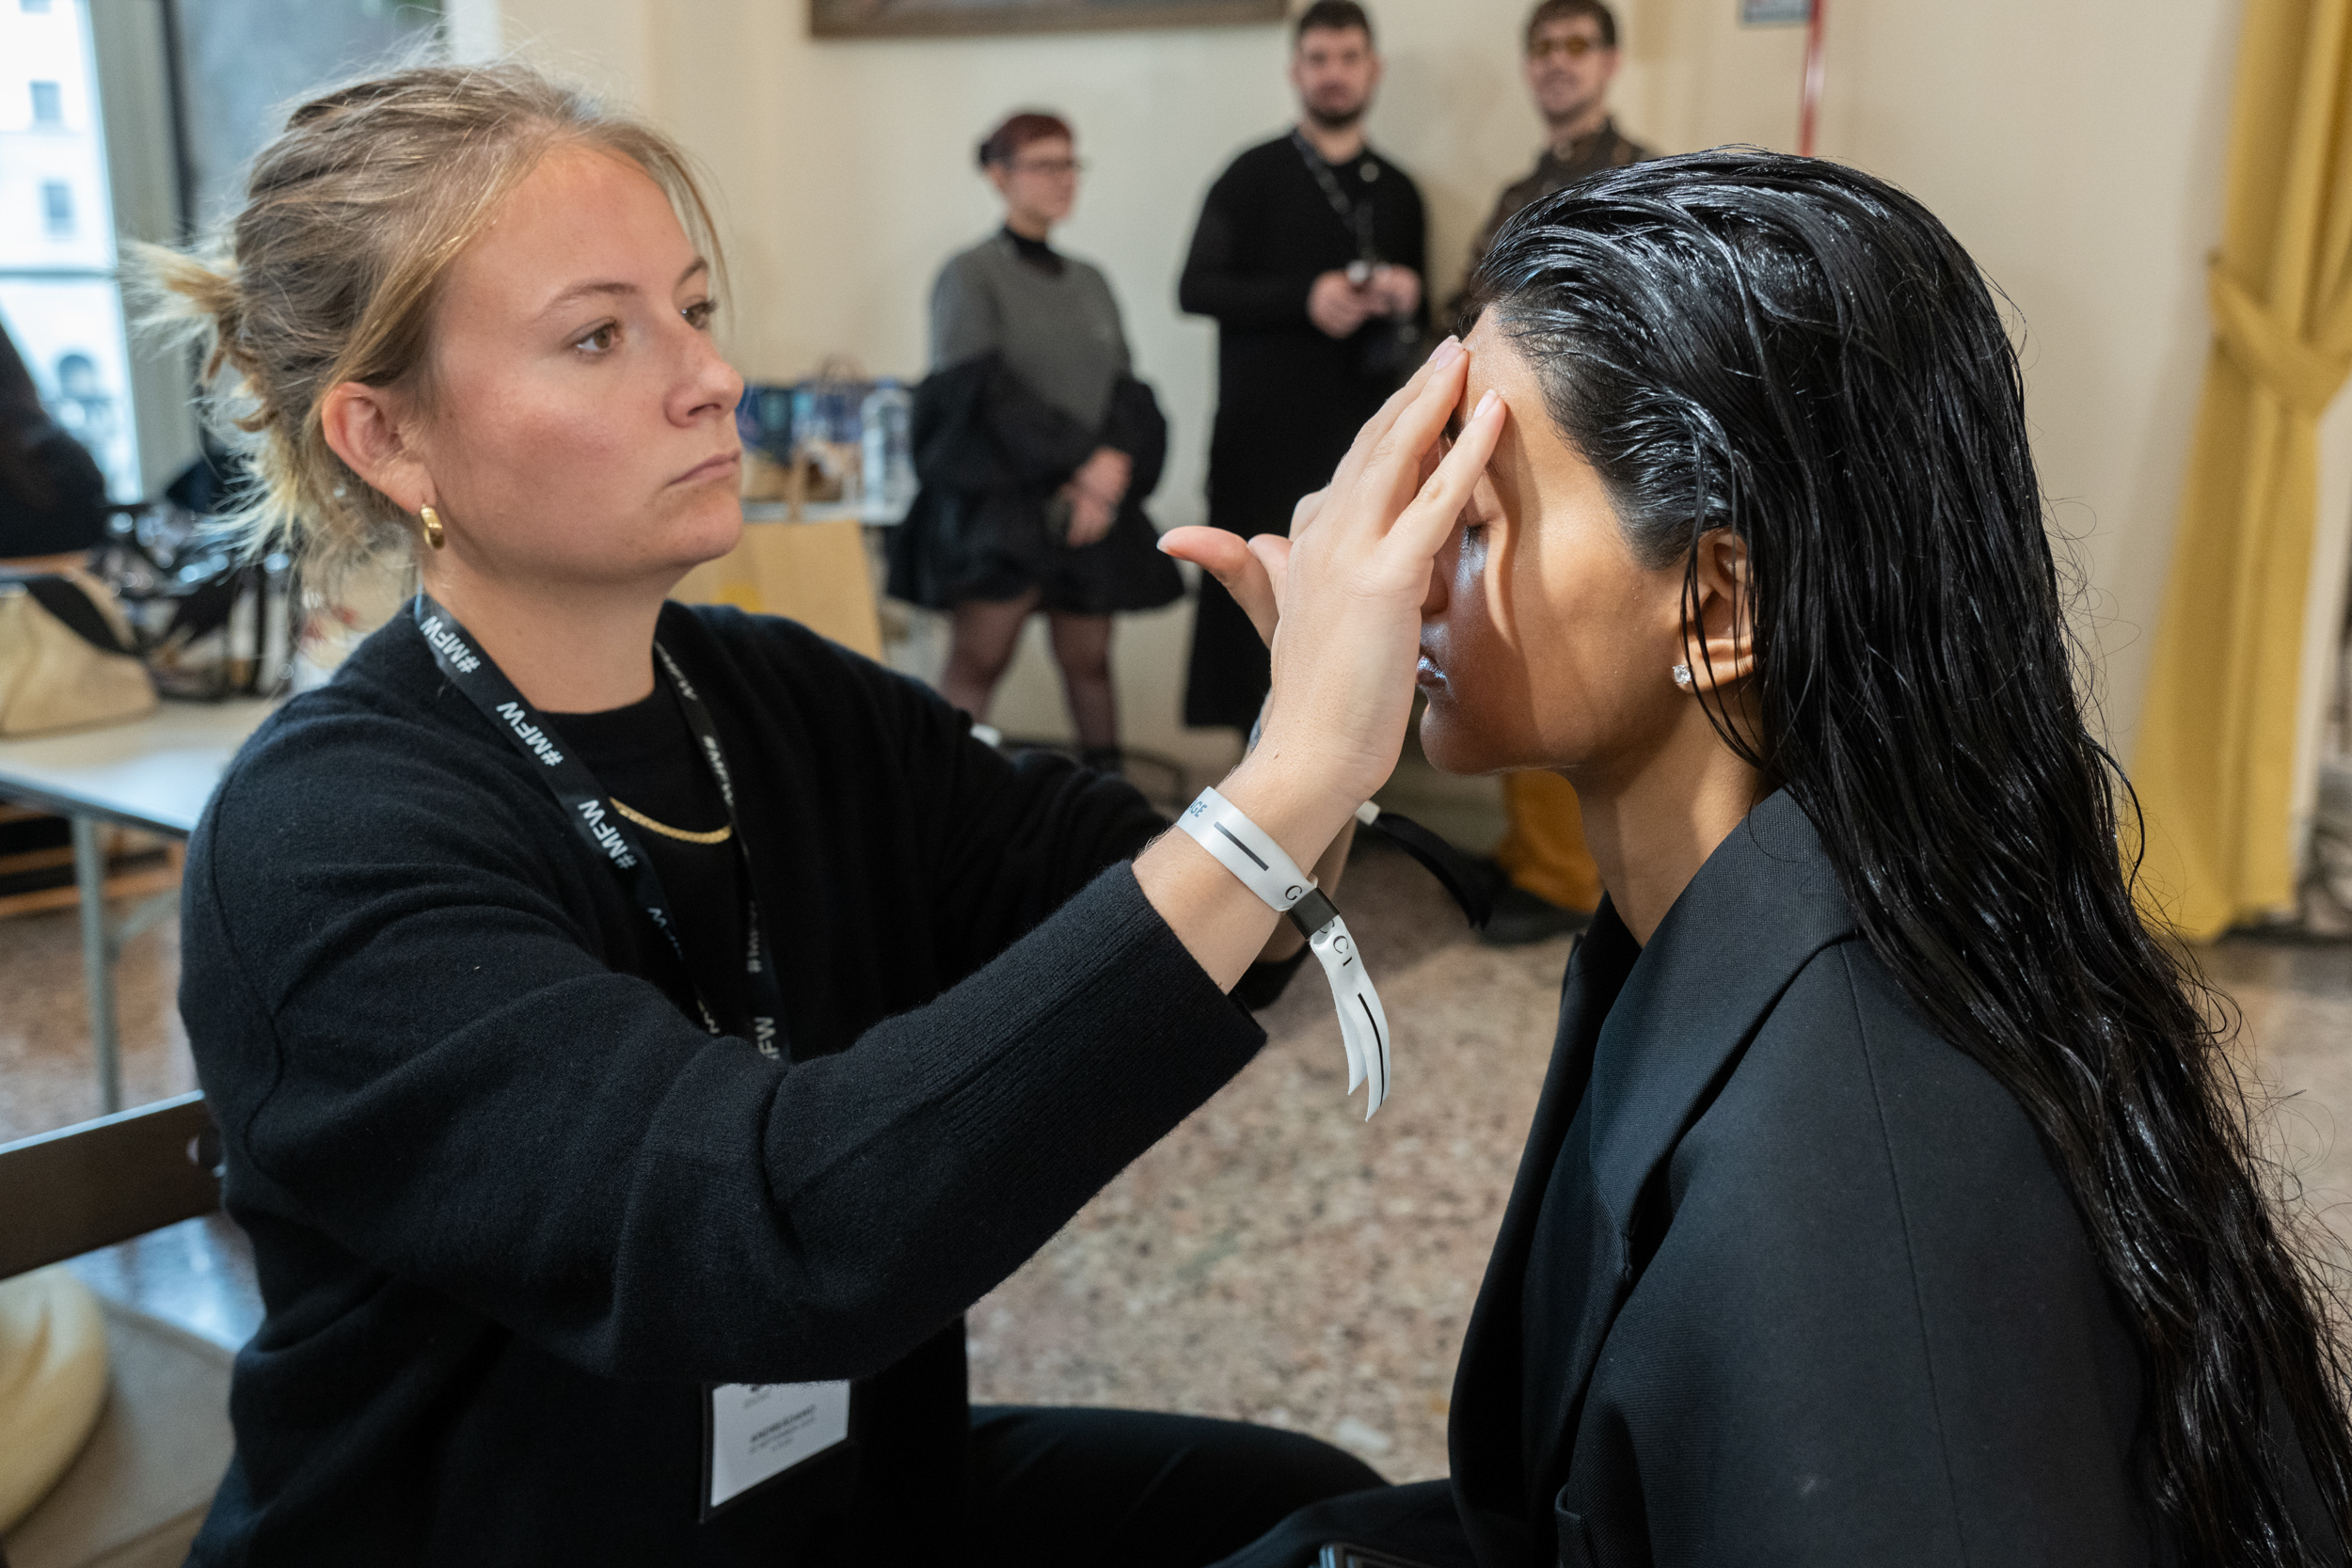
column 1356, row 213
column 585, row 804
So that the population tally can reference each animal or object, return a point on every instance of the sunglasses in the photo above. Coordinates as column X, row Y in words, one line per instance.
column 1575, row 46
column 1050, row 167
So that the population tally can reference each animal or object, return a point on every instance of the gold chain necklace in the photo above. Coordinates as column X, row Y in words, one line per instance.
column 716, row 835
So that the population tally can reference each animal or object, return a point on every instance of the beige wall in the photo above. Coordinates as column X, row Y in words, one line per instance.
column 2073, row 145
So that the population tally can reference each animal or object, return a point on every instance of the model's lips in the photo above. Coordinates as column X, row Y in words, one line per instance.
column 1429, row 672
column 712, row 468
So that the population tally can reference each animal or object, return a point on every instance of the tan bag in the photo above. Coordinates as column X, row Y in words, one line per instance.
column 66, row 658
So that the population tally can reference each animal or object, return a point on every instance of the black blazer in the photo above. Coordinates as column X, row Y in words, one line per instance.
column 1786, row 1279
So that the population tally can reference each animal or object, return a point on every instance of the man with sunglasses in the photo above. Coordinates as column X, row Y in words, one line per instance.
column 1571, row 59
column 1546, row 883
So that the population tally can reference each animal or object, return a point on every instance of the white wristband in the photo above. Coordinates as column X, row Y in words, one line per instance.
column 1246, row 850
column 1252, row 855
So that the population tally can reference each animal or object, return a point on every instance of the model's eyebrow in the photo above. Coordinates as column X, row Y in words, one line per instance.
column 586, row 291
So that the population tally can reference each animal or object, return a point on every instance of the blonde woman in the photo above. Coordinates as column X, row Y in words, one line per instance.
column 639, row 1032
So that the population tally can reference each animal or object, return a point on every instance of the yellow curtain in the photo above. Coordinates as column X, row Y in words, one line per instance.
column 2216, row 758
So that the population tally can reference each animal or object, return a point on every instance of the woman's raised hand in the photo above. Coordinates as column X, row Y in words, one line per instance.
column 1342, row 600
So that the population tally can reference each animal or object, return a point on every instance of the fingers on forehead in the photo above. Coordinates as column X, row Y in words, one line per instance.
column 1450, row 487
column 1423, row 421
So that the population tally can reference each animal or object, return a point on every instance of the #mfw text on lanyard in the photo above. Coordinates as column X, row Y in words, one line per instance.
column 753, row 1432
column 601, row 829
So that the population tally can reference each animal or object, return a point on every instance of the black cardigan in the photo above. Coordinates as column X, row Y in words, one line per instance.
column 511, row 1207
column 990, row 453
column 1785, row 1278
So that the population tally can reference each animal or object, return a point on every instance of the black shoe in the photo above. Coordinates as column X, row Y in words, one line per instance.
column 1520, row 918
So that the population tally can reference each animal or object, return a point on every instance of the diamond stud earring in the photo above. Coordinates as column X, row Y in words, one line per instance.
column 1682, row 677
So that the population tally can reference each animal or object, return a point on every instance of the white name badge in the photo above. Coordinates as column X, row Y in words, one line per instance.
column 760, row 1429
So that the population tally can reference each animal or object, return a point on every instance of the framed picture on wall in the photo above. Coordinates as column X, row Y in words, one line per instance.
column 846, row 19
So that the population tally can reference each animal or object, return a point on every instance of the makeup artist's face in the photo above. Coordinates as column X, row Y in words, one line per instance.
column 581, row 422
column 1544, row 644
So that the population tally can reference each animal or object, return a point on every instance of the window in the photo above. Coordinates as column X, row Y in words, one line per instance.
column 58, row 297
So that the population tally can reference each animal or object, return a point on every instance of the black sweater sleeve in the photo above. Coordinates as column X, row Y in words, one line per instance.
column 419, row 1051
column 1005, row 844
column 1216, row 280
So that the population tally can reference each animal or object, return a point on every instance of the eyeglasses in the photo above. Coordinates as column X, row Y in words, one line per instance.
column 1575, row 46
column 1053, row 168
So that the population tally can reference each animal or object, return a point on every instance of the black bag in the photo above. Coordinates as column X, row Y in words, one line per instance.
column 208, row 623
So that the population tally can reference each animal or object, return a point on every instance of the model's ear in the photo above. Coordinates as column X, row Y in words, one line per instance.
column 369, row 429
column 1718, row 630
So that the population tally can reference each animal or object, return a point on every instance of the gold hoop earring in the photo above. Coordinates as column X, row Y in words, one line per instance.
column 435, row 534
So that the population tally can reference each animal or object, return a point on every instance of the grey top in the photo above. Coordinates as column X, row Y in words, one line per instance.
column 1059, row 335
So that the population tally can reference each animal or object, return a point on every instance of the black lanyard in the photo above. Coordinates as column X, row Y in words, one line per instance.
column 585, row 806
column 1356, row 215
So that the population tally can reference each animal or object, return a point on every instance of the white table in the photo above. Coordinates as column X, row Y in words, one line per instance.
column 153, row 773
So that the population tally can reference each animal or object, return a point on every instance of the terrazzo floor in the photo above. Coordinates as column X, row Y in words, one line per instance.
column 1276, row 1259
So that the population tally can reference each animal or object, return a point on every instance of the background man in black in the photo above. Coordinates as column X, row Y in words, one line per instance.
column 1310, row 255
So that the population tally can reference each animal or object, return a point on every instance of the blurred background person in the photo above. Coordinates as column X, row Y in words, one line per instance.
column 1310, row 255
column 1571, row 60
column 1546, row 881
column 1035, row 447
column 52, row 499
column 85, row 406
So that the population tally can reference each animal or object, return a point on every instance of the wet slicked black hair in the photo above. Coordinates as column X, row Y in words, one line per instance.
column 1801, row 354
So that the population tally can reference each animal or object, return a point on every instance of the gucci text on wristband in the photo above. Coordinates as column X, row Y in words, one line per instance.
column 1250, row 853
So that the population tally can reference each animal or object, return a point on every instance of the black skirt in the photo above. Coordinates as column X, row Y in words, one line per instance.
column 958, row 547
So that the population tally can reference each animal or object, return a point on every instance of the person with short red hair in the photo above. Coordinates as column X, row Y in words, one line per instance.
column 1036, row 446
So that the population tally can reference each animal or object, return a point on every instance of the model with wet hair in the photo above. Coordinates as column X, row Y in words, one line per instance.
column 1892, row 1196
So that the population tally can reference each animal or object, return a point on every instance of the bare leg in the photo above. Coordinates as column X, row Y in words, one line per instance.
column 985, row 636
column 1082, row 646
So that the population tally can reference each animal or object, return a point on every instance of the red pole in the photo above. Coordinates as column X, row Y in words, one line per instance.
column 1811, row 106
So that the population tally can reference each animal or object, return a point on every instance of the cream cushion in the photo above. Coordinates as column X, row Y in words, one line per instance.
column 53, row 1383
column 141, row 1485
